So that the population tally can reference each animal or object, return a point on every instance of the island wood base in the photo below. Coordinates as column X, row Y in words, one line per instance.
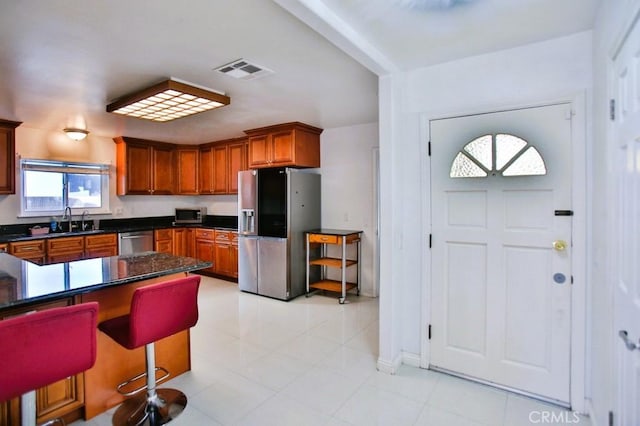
column 115, row 364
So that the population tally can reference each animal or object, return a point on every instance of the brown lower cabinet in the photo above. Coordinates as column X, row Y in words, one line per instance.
column 226, row 253
column 60, row 399
column 101, row 245
column 220, row 247
column 205, row 246
column 32, row 250
column 65, row 249
column 163, row 240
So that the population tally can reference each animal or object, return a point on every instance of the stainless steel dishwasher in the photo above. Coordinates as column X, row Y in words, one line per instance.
column 135, row 242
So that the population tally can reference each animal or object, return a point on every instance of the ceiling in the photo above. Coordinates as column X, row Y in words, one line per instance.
column 63, row 61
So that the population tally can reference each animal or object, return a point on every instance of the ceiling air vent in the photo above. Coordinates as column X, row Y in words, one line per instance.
column 243, row 70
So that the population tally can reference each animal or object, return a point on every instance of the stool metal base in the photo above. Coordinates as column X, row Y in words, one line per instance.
column 140, row 410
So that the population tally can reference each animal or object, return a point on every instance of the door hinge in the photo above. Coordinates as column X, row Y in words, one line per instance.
column 429, row 332
column 429, row 148
column 612, row 109
column 610, row 418
column 430, row 240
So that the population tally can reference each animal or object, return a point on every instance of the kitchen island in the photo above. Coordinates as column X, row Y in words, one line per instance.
column 26, row 286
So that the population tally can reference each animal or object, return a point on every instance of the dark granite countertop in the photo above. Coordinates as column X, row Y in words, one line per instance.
column 10, row 233
column 23, row 282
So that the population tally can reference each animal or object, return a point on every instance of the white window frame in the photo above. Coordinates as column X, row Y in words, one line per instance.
column 65, row 167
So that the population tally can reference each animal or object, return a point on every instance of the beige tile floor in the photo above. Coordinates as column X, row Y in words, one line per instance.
column 312, row 361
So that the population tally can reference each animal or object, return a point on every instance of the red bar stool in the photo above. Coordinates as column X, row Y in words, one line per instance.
column 157, row 311
column 44, row 347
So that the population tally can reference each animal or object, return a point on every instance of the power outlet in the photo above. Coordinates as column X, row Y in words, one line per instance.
column 119, row 211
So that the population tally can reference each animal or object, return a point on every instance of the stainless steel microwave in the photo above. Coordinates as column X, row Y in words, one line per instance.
column 190, row 215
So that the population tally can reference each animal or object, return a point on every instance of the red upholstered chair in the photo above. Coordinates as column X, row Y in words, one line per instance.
column 157, row 311
column 43, row 347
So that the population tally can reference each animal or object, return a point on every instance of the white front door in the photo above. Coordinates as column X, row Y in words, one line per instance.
column 625, row 244
column 501, row 248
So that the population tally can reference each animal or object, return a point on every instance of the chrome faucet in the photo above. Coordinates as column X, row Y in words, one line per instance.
column 84, row 225
column 69, row 217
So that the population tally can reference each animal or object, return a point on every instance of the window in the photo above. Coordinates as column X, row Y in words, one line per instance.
column 501, row 153
column 50, row 186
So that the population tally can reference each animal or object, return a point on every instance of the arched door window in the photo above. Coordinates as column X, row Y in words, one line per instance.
column 500, row 153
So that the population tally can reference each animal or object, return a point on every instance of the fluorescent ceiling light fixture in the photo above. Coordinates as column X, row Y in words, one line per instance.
column 167, row 101
column 76, row 134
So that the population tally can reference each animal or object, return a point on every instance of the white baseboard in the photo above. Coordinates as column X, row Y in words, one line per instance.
column 389, row 367
column 411, row 359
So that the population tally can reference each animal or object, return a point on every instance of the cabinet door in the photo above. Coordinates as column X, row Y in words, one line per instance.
column 7, row 160
column 237, row 162
column 162, row 171
column 65, row 249
column 103, row 245
column 206, row 170
column 282, row 151
column 180, row 247
column 163, row 240
column 205, row 251
column 222, row 261
column 138, row 165
column 58, row 398
column 187, row 170
column 106, row 251
column 259, row 151
column 220, row 168
column 33, row 249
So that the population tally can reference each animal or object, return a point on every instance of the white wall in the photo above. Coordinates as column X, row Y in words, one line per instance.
column 536, row 73
column 348, row 189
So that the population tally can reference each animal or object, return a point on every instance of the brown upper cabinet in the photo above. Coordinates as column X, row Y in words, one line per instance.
column 291, row 144
column 188, row 170
column 144, row 167
column 220, row 163
column 8, row 156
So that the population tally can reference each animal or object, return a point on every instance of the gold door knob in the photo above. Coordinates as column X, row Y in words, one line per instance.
column 560, row 245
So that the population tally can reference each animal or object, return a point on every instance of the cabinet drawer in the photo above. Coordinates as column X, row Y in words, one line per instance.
column 222, row 236
column 27, row 248
column 164, row 234
column 65, row 244
column 324, row 239
column 100, row 240
column 205, row 234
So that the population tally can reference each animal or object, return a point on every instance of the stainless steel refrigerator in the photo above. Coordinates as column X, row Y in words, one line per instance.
column 275, row 208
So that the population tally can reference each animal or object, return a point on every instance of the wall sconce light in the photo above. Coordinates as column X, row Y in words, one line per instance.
column 76, row 134
column 167, row 101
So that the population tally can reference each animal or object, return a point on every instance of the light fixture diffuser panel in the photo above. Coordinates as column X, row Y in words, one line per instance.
column 168, row 101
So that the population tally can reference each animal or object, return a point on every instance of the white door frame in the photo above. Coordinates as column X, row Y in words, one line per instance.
column 581, row 184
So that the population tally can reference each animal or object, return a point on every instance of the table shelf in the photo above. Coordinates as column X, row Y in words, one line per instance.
column 332, row 262
column 332, row 285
